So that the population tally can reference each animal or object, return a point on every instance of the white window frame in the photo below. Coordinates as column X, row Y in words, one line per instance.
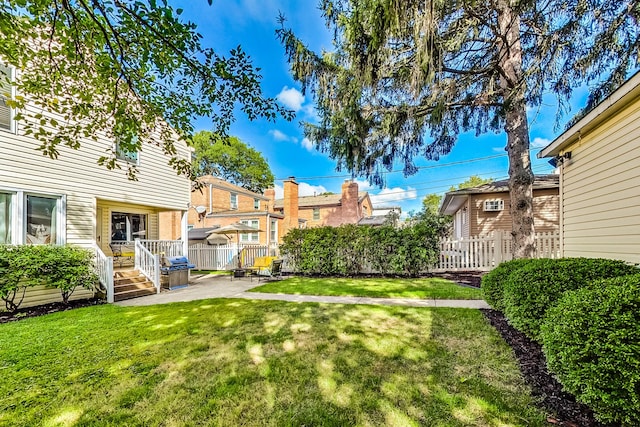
column 12, row 111
column 19, row 214
column 494, row 205
column 256, row 204
column 233, row 201
column 316, row 212
column 273, row 229
column 121, row 155
column 250, row 237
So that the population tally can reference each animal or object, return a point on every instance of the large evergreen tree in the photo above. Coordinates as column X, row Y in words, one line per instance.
column 407, row 77
column 133, row 70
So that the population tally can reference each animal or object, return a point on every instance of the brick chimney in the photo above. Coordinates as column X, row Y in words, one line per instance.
column 290, row 204
column 270, row 193
column 350, row 211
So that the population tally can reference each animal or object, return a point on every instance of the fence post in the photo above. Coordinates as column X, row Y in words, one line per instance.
column 497, row 245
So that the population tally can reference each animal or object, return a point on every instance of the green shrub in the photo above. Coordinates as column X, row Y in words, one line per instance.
column 18, row 271
column 66, row 268
column 591, row 339
column 63, row 267
column 349, row 249
column 530, row 290
column 493, row 282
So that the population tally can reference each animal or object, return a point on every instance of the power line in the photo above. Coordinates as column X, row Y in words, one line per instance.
column 423, row 191
column 440, row 165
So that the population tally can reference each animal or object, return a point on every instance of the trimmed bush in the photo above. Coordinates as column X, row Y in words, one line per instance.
column 591, row 339
column 62, row 267
column 349, row 250
column 530, row 290
column 493, row 282
column 66, row 268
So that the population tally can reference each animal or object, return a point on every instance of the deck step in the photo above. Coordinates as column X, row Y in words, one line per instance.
column 129, row 284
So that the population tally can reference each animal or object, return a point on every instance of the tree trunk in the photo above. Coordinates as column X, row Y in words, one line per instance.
column 513, row 88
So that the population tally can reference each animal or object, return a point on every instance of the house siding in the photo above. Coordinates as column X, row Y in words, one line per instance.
column 601, row 190
column 546, row 208
column 84, row 185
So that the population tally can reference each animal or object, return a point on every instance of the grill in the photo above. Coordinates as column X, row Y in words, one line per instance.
column 175, row 272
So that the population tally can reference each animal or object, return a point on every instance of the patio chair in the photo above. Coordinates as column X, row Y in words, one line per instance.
column 273, row 271
column 123, row 252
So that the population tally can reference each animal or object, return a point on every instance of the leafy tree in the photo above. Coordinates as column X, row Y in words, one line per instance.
column 431, row 203
column 407, row 77
column 473, row 181
column 132, row 70
column 230, row 159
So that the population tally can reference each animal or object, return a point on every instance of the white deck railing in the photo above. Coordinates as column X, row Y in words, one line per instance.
column 148, row 264
column 166, row 248
column 104, row 270
column 224, row 257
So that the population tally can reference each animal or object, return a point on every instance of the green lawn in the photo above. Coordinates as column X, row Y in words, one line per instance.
column 378, row 288
column 241, row 362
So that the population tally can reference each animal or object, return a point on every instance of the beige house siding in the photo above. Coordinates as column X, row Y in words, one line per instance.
column 601, row 190
column 546, row 208
column 87, row 188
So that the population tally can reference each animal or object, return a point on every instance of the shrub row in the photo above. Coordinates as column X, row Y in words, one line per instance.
column 61, row 267
column 586, row 313
column 350, row 249
column 591, row 339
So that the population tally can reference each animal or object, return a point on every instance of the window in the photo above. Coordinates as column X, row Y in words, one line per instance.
column 234, row 201
column 250, row 237
column 126, row 155
column 6, row 211
column 126, row 227
column 493, row 205
column 31, row 218
column 273, row 238
column 316, row 214
column 256, row 204
column 6, row 93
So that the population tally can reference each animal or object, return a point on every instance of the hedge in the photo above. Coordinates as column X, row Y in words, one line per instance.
column 493, row 282
column 349, row 250
column 61, row 267
column 530, row 290
column 591, row 339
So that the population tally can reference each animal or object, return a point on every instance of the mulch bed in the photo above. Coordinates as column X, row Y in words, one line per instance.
column 40, row 310
column 567, row 412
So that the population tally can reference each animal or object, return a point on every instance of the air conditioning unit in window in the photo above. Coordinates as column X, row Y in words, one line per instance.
column 493, row 205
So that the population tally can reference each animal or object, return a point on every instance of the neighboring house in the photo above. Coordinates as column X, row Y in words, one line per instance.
column 74, row 200
column 348, row 207
column 599, row 162
column 382, row 216
column 481, row 210
column 217, row 203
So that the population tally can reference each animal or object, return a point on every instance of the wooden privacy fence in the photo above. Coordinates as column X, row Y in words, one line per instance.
column 486, row 252
column 225, row 257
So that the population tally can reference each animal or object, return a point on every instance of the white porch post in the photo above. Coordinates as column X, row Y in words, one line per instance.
column 185, row 233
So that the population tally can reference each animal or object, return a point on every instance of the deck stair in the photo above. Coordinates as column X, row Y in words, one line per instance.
column 131, row 284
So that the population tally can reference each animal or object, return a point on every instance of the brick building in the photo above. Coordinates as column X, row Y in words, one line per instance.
column 348, row 207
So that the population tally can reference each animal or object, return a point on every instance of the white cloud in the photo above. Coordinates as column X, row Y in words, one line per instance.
column 304, row 189
column 498, row 150
column 291, row 98
column 281, row 136
column 540, row 142
column 363, row 185
column 393, row 195
column 306, row 143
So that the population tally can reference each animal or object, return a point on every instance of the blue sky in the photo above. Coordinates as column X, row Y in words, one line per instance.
column 252, row 24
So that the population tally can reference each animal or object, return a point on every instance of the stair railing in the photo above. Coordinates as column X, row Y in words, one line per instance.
column 148, row 264
column 104, row 270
